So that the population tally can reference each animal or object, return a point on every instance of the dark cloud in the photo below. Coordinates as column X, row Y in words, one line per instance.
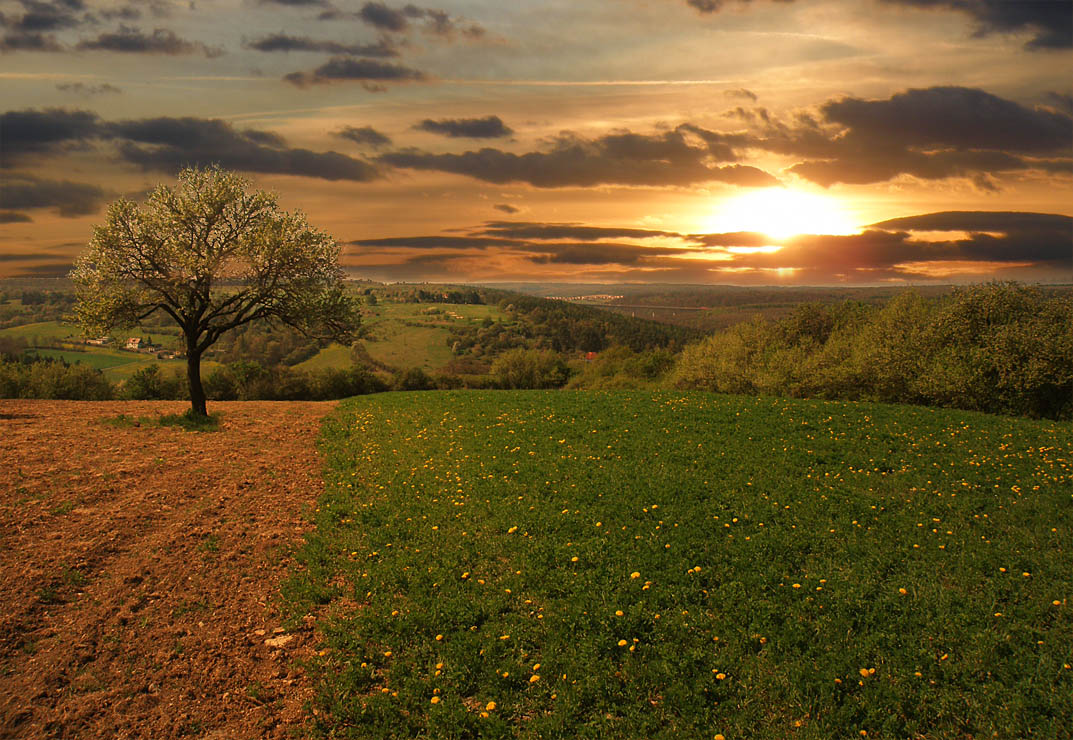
column 439, row 242
column 679, row 157
column 579, row 232
column 42, row 15
column 506, row 208
column 714, row 6
column 741, row 93
column 1050, row 20
column 398, row 20
column 39, row 131
column 369, row 72
column 29, row 41
column 1061, row 101
column 489, row 127
column 69, row 199
column 383, row 17
column 14, row 217
column 169, row 144
column 931, row 133
column 731, row 239
column 955, row 117
column 598, row 254
column 294, row 3
column 281, row 42
column 131, row 40
column 365, row 136
column 80, row 88
column 979, row 221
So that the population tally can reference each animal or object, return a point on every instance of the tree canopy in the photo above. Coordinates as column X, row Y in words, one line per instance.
column 212, row 254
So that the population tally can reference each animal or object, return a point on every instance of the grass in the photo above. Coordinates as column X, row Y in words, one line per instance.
column 627, row 565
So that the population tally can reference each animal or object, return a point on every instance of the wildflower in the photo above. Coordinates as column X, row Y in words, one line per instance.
column 573, row 559
column 534, row 678
column 435, row 700
column 635, row 574
column 902, row 591
column 490, row 706
column 622, row 643
column 720, row 676
column 512, row 530
column 439, row 638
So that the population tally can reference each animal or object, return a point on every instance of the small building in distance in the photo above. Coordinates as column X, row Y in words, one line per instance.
column 134, row 344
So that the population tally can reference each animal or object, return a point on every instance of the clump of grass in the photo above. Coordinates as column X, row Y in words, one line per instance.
column 625, row 565
column 122, row 421
column 190, row 421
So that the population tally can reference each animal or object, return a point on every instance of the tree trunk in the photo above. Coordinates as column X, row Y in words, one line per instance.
column 193, row 374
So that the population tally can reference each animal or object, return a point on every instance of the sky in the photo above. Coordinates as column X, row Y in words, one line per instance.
column 754, row 142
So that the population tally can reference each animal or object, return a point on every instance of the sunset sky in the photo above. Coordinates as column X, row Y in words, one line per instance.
column 692, row 141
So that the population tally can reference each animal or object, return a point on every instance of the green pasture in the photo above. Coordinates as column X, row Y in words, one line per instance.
column 687, row 565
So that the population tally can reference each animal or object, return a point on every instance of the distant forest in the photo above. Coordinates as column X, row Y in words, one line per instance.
column 999, row 347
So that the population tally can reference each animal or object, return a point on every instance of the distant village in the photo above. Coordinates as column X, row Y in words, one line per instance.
column 143, row 345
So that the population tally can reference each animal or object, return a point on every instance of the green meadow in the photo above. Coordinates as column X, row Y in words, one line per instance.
column 665, row 565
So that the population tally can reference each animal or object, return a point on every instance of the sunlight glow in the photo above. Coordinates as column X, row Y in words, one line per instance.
column 782, row 213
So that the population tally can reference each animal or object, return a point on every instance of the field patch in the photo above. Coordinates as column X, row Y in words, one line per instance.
column 556, row 564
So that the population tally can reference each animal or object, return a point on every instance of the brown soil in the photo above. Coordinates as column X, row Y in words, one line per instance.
column 139, row 569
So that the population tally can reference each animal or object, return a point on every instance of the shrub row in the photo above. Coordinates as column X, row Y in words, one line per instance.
column 999, row 348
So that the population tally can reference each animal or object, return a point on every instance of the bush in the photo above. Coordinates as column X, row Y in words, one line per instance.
column 998, row 348
column 530, row 368
column 150, row 384
column 50, row 379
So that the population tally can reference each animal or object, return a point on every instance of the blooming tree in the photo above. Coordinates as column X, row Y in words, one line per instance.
column 211, row 254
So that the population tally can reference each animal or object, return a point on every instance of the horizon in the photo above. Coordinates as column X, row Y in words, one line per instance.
column 801, row 143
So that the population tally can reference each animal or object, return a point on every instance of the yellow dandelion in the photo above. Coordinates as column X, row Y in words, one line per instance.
column 534, row 678
column 863, row 672
column 902, row 591
column 573, row 559
column 622, row 643
column 635, row 574
column 490, row 706
column 435, row 700
column 720, row 676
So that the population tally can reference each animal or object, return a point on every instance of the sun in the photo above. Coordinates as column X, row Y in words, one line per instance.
column 782, row 213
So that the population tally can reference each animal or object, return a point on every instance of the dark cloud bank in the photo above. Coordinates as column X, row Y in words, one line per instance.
column 987, row 240
column 489, row 127
column 1050, row 21
column 168, row 144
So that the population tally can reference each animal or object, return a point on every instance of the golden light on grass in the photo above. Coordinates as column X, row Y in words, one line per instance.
column 782, row 213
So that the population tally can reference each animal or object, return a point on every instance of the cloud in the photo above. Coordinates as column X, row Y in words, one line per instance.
column 1013, row 243
column 1061, row 101
column 714, row 6
column 49, row 130
column 80, row 88
column 506, row 208
column 741, row 93
column 43, row 15
column 489, row 127
column 69, row 199
column 365, row 136
column 29, row 41
column 169, row 144
column 398, row 20
column 578, row 232
column 130, row 40
column 440, row 242
column 281, row 42
column 1050, row 20
column 678, row 157
column 14, row 217
column 932, row 133
column 383, row 17
column 370, row 72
